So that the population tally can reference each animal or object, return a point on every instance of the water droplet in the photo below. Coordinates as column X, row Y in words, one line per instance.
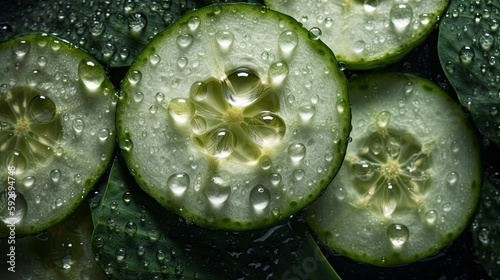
column 383, row 119
column 486, row 41
column 449, row 67
column 21, row 48
column 9, row 215
column 299, row 174
column 134, row 77
column 359, row 46
column 340, row 193
column 389, row 200
column 103, row 134
column 97, row 27
column 182, row 62
column 140, row 250
column 401, row 15
column 224, row 39
column 398, row 234
column 91, row 74
column 431, row 217
column 154, row 59
column 126, row 144
column 287, row 42
column 127, row 197
column 120, row 255
column 363, row 171
column 18, row 160
column 41, row 109
column 277, row 73
column 184, row 40
column 217, row 191
column 181, row 110
column 447, row 207
column 178, row 183
column 266, row 129
column 466, row 54
column 265, row 162
column 78, row 126
column 242, row 87
column 29, row 181
column 341, row 105
column 220, row 143
column 198, row 125
column 130, row 228
column 296, row 152
column 275, row 179
column 194, row 23
column 370, row 5
column 452, row 178
column 41, row 61
column 306, row 112
column 137, row 22
column 315, row 33
column 55, row 175
column 260, row 197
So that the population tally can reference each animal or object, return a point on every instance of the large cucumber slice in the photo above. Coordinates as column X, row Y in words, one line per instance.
column 235, row 117
column 56, row 131
column 411, row 178
column 366, row 34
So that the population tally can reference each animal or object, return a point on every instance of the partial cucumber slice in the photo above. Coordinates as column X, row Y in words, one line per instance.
column 57, row 131
column 366, row 34
column 235, row 117
column 411, row 177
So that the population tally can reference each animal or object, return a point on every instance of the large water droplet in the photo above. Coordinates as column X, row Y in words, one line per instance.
column 178, row 183
column 7, row 214
column 194, row 23
column 103, row 134
column 137, row 22
column 181, row 109
column 17, row 160
column 287, row 42
column 198, row 125
column 134, row 77
column 306, row 112
column 97, row 27
column 184, row 40
column 78, row 126
column 398, row 234
column 55, row 175
column 41, row 109
column 220, row 143
column 217, row 190
column 315, row 33
column 401, row 15
column 260, row 197
column 466, row 54
column 296, row 152
column 224, row 39
column 130, row 228
column 265, row 162
column 383, row 119
column 91, row 74
column 363, row 171
column 242, row 87
column 389, row 200
column 431, row 217
column 278, row 71
column 126, row 144
column 267, row 128
column 21, row 48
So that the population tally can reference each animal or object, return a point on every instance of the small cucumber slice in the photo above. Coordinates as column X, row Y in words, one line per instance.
column 366, row 34
column 411, row 176
column 235, row 117
column 57, row 131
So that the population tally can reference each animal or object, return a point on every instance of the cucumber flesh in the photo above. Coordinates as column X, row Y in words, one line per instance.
column 366, row 34
column 411, row 177
column 57, row 131
column 232, row 127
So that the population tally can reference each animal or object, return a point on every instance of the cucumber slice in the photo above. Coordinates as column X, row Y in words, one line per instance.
column 411, row 176
column 232, row 127
column 366, row 34
column 57, row 131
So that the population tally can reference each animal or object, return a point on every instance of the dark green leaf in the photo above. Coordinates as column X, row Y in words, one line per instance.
column 468, row 48
column 136, row 238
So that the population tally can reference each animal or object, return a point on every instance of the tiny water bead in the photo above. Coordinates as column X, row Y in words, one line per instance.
column 178, row 183
column 260, row 197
